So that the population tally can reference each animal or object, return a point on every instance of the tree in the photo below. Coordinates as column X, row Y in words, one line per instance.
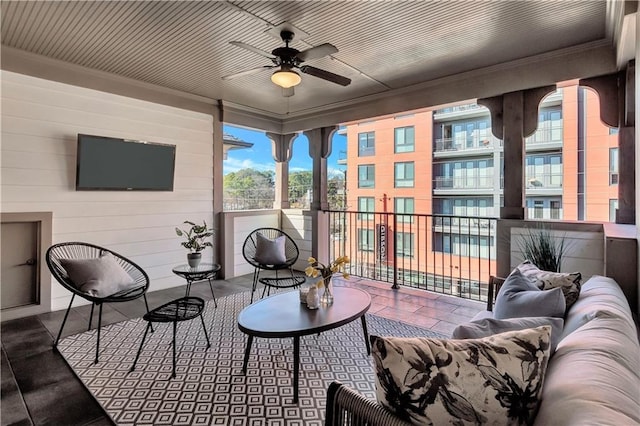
column 249, row 189
column 299, row 186
column 336, row 191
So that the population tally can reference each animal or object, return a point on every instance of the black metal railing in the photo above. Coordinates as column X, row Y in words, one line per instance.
column 447, row 254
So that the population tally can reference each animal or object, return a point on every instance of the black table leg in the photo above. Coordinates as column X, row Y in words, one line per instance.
column 175, row 324
column 188, row 288
column 205, row 331
column 246, row 353
column 214, row 296
column 296, row 367
column 144, row 337
column 366, row 334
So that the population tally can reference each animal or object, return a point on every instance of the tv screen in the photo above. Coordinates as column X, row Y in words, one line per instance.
column 122, row 165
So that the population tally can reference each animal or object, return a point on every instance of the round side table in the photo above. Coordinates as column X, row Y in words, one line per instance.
column 204, row 271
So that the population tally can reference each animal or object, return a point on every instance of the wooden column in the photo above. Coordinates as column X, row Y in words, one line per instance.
column 319, row 151
column 281, row 149
column 218, row 185
column 514, row 116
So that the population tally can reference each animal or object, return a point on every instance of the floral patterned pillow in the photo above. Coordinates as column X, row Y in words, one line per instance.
column 545, row 280
column 494, row 380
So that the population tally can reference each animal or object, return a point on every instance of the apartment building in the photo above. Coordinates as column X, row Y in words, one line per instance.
column 446, row 164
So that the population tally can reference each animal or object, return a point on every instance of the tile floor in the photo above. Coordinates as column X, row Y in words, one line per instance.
column 38, row 388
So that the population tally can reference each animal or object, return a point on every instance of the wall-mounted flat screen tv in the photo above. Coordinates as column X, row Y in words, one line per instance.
column 112, row 164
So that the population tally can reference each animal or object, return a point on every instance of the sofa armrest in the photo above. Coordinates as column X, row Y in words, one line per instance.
column 494, row 287
column 345, row 406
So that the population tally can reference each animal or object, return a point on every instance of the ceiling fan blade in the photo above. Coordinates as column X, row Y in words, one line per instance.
column 288, row 92
column 253, row 49
column 325, row 75
column 317, row 52
column 248, row 72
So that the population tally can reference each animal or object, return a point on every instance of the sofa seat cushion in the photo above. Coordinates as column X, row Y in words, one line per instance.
column 520, row 297
column 594, row 377
column 494, row 380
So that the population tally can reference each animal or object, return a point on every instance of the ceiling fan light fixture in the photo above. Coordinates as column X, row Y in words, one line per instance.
column 286, row 78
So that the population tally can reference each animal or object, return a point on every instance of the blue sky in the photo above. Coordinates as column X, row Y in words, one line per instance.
column 259, row 156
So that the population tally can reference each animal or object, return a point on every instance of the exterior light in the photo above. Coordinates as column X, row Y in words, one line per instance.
column 286, row 78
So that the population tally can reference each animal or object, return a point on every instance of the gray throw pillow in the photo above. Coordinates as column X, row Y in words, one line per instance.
column 520, row 297
column 496, row 380
column 476, row 329
column 570, row 282
column 98, row 277
column 270, row 252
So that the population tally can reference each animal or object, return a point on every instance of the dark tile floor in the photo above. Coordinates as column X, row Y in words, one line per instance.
column 38, row 388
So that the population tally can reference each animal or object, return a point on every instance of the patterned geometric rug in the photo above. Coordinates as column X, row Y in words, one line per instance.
column 210, row 388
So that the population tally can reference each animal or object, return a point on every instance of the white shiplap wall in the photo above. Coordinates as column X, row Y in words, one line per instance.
column 297, row 223
column 239, row 224
column 584, row 251
column 40, row 123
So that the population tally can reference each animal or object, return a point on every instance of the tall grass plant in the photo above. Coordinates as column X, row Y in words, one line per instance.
column 543, row 249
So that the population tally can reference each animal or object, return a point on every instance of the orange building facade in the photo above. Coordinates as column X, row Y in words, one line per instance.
column 442, row 170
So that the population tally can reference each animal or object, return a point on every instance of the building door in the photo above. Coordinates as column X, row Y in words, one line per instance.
column 18, row 264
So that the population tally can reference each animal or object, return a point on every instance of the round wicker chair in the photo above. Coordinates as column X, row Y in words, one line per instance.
column 79, row 250
column 291, row 252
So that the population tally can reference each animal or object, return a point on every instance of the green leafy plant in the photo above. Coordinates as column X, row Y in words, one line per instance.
column 195, row 236
column 543, row 249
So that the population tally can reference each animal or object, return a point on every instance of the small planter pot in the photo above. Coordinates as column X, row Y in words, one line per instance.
column 194, row 259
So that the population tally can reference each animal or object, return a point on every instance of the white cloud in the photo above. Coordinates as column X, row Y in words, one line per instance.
column 298, row 169
column 234, row 164
column 331, row 171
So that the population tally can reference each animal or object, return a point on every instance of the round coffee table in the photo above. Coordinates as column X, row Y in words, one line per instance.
column 283, row 315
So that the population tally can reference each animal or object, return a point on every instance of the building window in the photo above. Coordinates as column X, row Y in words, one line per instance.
column 404, row 206
column 556, row 207
column 366, row 144
column 464, row 174
column 404, row 139
column 366, row 204
column 404, row 244
column 555, row 119
column 613, row 166
column 366, row 176
column 365, row 240
column 544, row 171
column 613, row 206
column 404, row 175
column 538, row 209
column 614, row 130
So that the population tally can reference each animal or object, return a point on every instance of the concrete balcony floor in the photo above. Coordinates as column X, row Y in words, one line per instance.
column 39, row 388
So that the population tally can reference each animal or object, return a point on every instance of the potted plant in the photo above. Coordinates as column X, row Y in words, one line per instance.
column 195, row 241
column 543, row 249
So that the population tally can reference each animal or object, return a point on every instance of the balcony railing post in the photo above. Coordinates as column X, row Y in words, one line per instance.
column 395, row 249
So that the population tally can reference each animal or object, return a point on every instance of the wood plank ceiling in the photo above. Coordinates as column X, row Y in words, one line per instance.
column 383, row 46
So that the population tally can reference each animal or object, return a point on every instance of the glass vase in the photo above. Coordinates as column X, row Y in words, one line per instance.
column 327, row 295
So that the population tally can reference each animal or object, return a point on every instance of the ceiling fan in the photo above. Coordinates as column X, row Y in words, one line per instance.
column 287, row 59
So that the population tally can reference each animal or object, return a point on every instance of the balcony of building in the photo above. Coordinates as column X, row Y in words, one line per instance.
column 467, row 185
column 471, row 145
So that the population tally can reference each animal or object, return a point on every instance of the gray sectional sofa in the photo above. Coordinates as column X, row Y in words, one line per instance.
column 593, row 378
